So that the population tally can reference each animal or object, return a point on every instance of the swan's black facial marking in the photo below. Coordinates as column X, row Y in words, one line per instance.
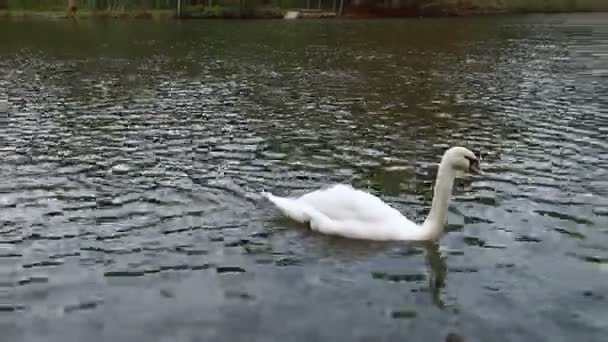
column 473, row 165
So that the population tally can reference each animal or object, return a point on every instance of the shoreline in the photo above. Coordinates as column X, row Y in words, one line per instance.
column 273, row 14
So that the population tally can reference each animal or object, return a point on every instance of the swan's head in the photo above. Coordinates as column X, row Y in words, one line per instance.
column 461, row 160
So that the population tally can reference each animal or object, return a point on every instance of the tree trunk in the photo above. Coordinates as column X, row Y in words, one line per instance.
column 341, row 7
column 319, row 5
column 334, row 6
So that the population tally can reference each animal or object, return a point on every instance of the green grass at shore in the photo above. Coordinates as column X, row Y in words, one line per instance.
column 187, row 13
column 532, row 6
column 86, row 14
column 53, row 9
column 265, row 12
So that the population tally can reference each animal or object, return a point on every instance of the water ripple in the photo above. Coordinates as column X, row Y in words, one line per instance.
column 130, row 174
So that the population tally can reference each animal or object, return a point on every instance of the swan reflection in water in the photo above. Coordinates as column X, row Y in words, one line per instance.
column 349, row 250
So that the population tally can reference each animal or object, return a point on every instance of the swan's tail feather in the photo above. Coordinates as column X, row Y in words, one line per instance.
column 302, row 212
column 290, row 207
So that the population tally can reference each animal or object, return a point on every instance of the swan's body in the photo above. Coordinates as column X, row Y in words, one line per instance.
column 344, row 211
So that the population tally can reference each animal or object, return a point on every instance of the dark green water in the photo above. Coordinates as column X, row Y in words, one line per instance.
column 131, row 153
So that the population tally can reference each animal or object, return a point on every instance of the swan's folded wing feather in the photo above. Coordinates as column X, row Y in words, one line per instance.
column 343, row 202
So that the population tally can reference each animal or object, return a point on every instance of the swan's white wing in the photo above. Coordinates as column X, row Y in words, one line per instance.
column 343, row 202
column 292, row 208
column 342, row 210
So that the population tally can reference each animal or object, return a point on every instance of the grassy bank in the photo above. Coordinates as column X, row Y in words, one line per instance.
column 407, row 8
column 225, row 12
column 86, row 14
column 147, row 9
column 546, row 6
column 211, row 12
column 56, row 9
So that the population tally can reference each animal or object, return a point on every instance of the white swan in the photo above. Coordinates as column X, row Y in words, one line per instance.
column 344, row 211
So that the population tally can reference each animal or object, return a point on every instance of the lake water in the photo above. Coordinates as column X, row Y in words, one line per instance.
column 131, row 154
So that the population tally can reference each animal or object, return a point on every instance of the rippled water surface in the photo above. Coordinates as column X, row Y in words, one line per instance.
column 131, row 155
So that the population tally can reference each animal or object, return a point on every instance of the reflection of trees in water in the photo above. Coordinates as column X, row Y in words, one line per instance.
column 395, row 90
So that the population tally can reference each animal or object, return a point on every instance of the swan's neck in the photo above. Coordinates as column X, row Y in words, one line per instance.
column 441, row 199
